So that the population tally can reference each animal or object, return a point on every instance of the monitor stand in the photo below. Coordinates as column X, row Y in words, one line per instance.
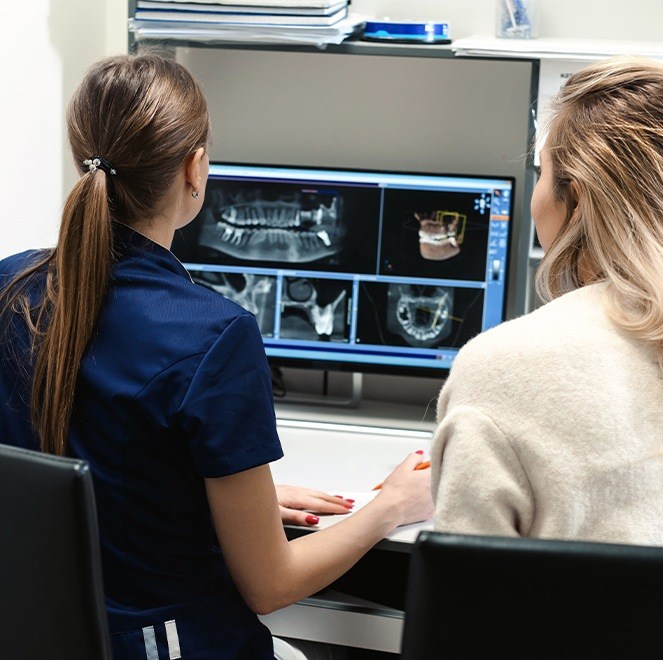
column 324, row 399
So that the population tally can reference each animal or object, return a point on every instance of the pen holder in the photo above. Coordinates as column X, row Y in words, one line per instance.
column 517, row 19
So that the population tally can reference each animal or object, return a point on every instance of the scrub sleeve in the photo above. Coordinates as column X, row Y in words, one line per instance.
column 228, row 411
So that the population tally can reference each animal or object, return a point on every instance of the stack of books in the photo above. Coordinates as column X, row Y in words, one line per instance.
column 284, row 21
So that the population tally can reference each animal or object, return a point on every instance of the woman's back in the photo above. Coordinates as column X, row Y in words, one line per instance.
column 173, row 388
column 554, row 422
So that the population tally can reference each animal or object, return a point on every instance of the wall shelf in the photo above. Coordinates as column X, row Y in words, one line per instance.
column 352, row 46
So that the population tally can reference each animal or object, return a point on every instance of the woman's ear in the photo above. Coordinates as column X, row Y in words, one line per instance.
column 194, row 168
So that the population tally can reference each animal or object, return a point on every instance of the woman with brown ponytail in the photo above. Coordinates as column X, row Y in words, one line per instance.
column 110, row 353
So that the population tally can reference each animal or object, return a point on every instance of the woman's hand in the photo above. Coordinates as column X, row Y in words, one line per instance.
column 272, row 572
column 409, row 491
column 298, row 505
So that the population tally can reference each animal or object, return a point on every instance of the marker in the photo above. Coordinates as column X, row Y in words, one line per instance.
column 422, row 466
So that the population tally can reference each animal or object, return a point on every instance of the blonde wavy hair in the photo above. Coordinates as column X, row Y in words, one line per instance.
column 605, row 143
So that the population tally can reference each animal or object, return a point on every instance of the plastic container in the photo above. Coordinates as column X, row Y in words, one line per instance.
column 420, row 32
column 517, row 19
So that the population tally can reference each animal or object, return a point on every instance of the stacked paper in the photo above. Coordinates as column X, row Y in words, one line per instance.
column 269, row 21
column 551, row 48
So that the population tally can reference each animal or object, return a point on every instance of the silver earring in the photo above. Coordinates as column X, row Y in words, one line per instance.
column 194, row 194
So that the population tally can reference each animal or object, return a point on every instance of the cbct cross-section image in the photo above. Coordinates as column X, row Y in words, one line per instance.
column 420, row 314
column 417, row 315
column 315, row 309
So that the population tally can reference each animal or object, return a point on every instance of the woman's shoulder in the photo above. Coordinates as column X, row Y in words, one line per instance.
column 11, row 267
column 535, row 342
column 16, row 263
column 216, row 304
column 548, row 324
column 207, row 317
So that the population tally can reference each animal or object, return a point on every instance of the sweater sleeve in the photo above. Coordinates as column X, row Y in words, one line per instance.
column 479, row 484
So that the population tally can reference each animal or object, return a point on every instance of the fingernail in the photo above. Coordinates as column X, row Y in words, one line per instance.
column 339, row 496
column 419, row 451
column 312, row 520
column 351, row 501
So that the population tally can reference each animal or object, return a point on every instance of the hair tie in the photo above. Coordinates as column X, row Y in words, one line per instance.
column 97, row 162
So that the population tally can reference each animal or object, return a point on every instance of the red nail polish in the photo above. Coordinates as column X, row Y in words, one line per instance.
column 351, row 501
column 312, row 520
column 419, row 451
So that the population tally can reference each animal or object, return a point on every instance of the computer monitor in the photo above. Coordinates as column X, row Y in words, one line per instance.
column 355, row 270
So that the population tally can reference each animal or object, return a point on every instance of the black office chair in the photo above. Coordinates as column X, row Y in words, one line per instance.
column 51, row 595
column 492, row 597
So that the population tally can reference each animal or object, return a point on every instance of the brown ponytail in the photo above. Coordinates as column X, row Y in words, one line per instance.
column 78, row 281
column 145, row 115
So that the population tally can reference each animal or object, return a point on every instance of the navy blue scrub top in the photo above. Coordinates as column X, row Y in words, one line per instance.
column 174, row 387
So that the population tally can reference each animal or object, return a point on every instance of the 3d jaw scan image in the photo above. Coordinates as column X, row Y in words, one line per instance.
column 272, row 222
column 441, row 233
column 429, row 234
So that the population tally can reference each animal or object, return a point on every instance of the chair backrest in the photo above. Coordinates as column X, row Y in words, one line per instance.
column 51, row 593
column 480, row 596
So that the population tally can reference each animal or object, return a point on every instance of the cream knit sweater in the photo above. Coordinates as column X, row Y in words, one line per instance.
column 551, row 425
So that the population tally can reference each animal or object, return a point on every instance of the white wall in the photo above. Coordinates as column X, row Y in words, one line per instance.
column 48, row 44
column 46, row 47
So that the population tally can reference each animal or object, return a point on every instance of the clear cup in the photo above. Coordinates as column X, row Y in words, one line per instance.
column 517, row 19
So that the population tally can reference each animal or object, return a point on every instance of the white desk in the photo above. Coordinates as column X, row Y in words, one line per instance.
column 348, row 457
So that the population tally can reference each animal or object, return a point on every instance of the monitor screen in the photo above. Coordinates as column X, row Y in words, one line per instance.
column 367, row 271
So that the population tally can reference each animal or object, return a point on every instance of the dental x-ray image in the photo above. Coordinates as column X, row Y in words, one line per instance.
column 255, row 293
column 315, row 309
column 434, row 234
column 284, row 225
column 417, row 315
column 273, row 223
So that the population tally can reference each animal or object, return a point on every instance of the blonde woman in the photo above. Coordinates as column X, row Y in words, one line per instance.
column 551, row 425
column 111, row 353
